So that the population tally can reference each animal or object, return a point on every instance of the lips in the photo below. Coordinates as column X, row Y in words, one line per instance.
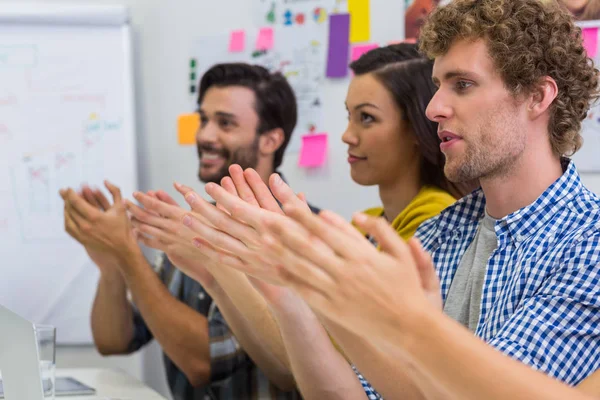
column 448, row 139
column 354, row 159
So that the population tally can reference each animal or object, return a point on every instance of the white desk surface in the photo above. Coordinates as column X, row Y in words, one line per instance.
column 109, row 385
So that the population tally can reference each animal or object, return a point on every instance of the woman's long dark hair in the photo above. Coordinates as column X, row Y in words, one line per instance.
column 407, row 76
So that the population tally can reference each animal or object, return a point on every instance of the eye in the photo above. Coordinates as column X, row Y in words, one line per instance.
column 225, row 123
column 203, row 120
column 461, row 86
column 366, row 118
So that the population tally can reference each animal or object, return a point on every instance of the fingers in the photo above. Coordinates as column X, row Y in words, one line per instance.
column 261, row 191
column 227, row 184
column 114, row 191
column 183, row 189
column 101, row 198
column 340, row 223
column 284, row 193
column 425, row 266
column 243, row 189
column 237, row 208
column 147, row 217
column 294, row 270
column 164, row 197
column 158, row 206
column 228, row 236
column 385, row 235
column 338, row 240
column 221, row 257
column 89, row 196
column 82, row 207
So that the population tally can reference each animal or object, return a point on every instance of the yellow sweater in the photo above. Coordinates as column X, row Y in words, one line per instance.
column 428, row 203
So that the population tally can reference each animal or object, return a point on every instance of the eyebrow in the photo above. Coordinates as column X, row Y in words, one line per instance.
column 458, row 73
column 363, row 105
column 222, row 114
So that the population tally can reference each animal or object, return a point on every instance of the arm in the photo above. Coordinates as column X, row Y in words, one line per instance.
column 468, row 367
column 242, row 306
column 591, row 385
column 181, row 331
column 112, row 315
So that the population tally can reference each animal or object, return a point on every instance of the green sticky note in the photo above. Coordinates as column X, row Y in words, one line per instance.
column 193, row 63
column 193, row 76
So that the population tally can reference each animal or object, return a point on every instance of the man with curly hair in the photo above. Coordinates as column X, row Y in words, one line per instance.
column 518, row 260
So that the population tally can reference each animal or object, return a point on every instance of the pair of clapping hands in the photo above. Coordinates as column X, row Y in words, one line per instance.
column 323, row 258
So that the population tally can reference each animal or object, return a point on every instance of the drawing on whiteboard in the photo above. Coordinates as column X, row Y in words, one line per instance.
column 5, row 133
column 8, row 100
column 39, row 189
column 297, row 12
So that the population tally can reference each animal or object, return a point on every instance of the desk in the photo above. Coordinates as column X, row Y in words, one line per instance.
column 109, row 384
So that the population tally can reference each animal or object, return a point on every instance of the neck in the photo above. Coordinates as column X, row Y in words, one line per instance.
column 523, row 184
column 264, row 168
column 396, row 195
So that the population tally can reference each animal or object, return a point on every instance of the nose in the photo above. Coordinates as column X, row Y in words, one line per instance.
column 349, row 136
column 207, row 133
column 439, row 108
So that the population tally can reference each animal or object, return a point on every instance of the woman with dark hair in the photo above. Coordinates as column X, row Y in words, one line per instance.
column 391, row 143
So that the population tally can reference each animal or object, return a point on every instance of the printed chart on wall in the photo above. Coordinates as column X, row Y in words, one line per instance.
column 296, row 12
column 298, row 52
column 65, row 119
column 587, row 158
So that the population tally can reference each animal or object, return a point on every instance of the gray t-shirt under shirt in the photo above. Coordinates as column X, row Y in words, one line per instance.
column 464, row 297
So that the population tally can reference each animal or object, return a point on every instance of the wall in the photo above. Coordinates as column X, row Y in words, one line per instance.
column 164, row 31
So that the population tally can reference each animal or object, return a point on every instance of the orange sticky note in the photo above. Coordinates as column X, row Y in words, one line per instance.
column 265, row 39
column 237, row 41
column 187, row 126
column 314, row 150
column 590, row 41
column 359, row 50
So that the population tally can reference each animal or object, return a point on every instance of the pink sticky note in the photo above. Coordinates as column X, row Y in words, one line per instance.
column 590, row 41
column 265, row 39
column 361, row 49
column 314, row 150
column 237, row 41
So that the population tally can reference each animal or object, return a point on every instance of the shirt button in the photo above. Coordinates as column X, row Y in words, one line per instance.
column 201, row 296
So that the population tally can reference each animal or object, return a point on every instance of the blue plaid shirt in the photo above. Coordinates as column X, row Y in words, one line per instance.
column 541, row 295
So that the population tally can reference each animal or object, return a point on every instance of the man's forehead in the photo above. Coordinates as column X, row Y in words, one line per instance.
column 228, row 99
column 468, row 56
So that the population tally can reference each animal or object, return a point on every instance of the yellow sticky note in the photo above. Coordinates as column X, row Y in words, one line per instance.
column 187, row 126
column 360, row 20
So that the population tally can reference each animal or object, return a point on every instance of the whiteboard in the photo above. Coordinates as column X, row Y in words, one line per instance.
column 66, row 117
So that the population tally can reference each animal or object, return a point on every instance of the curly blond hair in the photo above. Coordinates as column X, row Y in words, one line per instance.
column 527, row 40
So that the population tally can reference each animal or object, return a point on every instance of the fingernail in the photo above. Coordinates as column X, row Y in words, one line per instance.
column 187, row 220
column 278, row 180
column 191, row 198
column 197, row 243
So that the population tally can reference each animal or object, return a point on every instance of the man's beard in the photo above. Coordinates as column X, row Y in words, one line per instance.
column 246, row 157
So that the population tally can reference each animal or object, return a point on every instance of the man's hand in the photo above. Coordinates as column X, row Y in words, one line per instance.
column 345, row 278
column 160, row 227
column 103, row 229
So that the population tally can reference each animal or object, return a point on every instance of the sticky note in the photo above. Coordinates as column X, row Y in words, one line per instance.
column 314, row 150
column 187, row 126
column 237, row 41
column 339, row 35
column 360, row 20
column 265, row 39
column 590, row 41
column 359, row 50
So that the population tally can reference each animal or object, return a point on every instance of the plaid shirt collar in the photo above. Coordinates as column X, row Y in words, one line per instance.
column 520, row 224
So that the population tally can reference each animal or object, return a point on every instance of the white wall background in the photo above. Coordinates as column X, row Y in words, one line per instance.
column 164, row 31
